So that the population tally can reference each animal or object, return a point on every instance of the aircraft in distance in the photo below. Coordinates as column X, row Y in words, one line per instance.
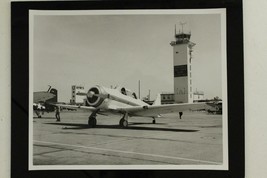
column 103, row 100
column 41, row 100
column 216, row 109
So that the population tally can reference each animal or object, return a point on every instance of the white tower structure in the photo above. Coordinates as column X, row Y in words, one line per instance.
column 182, row 58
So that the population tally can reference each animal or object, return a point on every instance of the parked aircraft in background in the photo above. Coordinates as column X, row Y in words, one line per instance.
column 41, row 100
column 216, row 109
column 103, row 100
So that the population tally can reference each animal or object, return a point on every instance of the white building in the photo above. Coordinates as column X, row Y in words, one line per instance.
column 76, row 99
column 198, row 96
column 167, row 98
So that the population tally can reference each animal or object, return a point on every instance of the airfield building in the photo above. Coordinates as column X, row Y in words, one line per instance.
column 168, row 98
column 198, row 96
column 76, row 99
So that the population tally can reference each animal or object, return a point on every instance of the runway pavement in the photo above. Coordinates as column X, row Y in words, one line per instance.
column 196, row 139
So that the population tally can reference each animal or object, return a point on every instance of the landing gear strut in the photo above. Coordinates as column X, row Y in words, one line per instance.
column 92, row 119
column 124, row 121
column 180, row 115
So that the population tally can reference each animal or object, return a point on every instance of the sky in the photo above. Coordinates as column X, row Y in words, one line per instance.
column 120, row 50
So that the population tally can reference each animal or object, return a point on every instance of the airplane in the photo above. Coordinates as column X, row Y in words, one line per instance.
column 41, row 100
column 103, row 100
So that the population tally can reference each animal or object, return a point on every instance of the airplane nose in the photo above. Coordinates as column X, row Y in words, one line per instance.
column 90, row 94
column 93, row 98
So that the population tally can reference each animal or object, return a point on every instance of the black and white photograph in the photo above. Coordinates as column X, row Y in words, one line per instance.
column 128, row 89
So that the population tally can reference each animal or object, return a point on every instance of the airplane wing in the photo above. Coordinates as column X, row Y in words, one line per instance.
column 155, row 110
column 74, row 107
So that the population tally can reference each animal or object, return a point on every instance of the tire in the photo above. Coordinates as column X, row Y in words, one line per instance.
column 92, row 122
column 121, row 122
column 124, row 124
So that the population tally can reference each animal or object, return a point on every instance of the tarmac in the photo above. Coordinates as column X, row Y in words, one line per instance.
column 196, row 139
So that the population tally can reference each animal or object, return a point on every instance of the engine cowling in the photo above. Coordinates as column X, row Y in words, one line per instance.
column 92, row 98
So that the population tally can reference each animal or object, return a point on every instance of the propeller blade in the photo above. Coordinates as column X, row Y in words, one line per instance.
column 81, row 94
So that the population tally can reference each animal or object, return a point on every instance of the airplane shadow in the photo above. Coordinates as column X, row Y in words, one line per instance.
column 85, row 126
column 145, row 123
column 44, row 118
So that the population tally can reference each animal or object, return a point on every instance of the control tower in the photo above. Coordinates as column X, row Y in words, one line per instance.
column 182, row 58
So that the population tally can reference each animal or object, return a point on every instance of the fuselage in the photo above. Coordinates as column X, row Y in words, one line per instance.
column 114, row 98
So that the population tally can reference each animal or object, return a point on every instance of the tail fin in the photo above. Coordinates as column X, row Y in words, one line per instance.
column 157, row 102
column 53, row 91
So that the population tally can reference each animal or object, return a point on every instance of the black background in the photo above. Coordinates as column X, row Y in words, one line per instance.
column 20, row 86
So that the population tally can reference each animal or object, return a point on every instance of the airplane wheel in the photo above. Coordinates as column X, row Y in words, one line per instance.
column 125, row 123
column 39, row 116
column 154, row 122
column 121, row 122
column 92, row 122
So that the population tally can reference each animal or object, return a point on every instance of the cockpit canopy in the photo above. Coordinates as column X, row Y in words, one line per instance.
column 127, row 92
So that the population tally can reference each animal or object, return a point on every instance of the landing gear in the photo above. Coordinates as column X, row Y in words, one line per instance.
column 92, row 122
column 92, row 119
column 121, row 121
column 154, row 120
column 180, row 115
column 124, row 121
column 38, row 114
